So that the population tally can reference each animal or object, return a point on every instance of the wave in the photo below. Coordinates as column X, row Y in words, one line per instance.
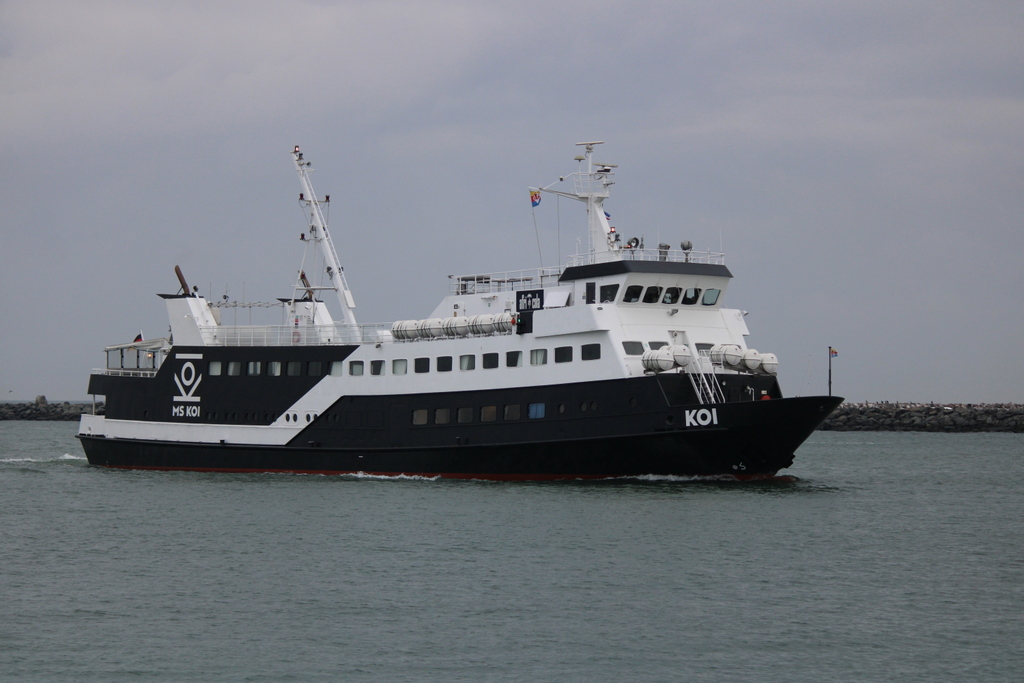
column 65, row 456
column 391, row 477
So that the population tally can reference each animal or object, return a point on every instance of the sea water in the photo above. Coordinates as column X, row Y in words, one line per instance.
column 886, row 557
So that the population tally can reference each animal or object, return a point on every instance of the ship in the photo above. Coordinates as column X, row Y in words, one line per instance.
column 622, row 362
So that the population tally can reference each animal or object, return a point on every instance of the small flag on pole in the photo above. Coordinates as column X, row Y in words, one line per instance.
column 832, row 352
column 607, row 215
column 534, row 198
column 138, row 337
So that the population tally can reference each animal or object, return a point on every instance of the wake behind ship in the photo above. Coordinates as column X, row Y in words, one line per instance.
column 622, row 363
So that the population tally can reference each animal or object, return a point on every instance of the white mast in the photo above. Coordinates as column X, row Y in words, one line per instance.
column 319, row 235
column 592, row 187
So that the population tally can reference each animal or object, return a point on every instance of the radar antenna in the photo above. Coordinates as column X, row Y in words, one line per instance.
column 592, row 186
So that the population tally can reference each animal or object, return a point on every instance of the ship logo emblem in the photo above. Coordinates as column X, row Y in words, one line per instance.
column 188, row 380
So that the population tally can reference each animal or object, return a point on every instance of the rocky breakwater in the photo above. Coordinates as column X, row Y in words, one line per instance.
column 926, row 417
column 41, row 409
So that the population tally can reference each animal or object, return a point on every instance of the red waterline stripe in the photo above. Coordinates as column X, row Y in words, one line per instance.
column 455, row 475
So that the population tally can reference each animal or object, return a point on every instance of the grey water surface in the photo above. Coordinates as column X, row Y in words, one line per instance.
column 887, row 557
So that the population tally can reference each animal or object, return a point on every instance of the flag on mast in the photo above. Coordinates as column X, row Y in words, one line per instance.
column 832, row 352
column 534, row 198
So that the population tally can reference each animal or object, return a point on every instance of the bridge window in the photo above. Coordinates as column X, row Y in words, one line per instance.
column 421, row 365
column 691, row 295
column 490, row 361
column 467, row 362
column 632, row 294
column 274, row 368
column 655, row 345
column 399, row 366
column 234, row 368
column 294, row 368
column 355, row 368
column 336, row 368
column 563, row 354
column 444, row 364
column 514, row 359
column 711, row 297
column 376, row 367
column 590, row 352
column 536, row 410
column 314, row 368
column 214, row 368
column 608, row 293
column 671, row 295
column 652, row 295
column 538, row 357
column 254, row 368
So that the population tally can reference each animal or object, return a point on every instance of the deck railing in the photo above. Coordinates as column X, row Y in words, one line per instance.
column 295, row 335
column 539, row 278
column 125, row 372
column 647, row 254
column 487, row 283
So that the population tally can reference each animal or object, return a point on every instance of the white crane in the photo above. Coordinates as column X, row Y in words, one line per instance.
column 319, row 235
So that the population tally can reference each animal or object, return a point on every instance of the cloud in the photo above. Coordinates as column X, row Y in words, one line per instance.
column 99, row 67
column 859, row 161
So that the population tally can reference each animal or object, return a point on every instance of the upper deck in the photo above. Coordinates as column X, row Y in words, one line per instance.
column 582, row 265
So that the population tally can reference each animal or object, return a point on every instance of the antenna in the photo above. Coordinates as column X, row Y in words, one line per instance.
column 591, row 187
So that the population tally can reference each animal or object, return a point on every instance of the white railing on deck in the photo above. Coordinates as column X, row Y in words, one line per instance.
column 292, row 335
column 538, row 278
column 486, row 283
column 670, row 255
column 125, row 372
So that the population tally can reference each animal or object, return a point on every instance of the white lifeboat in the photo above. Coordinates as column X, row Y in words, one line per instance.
column 658, row 360
column 681, row 355
column 751, row 360
column 729, row 355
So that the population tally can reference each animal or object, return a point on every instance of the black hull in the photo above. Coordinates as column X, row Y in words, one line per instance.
column 748, row 440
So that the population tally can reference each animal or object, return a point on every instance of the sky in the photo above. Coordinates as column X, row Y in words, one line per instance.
column 861, row 164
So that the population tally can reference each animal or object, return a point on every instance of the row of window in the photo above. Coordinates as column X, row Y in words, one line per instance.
column 399, row 366
column 509, row 413
column 664, row 295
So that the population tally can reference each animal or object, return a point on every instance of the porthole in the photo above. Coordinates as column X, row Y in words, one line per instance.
column 561, row 408
column 670, row 419
column 632, row 402
column 593, row 405
column 583, row 407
